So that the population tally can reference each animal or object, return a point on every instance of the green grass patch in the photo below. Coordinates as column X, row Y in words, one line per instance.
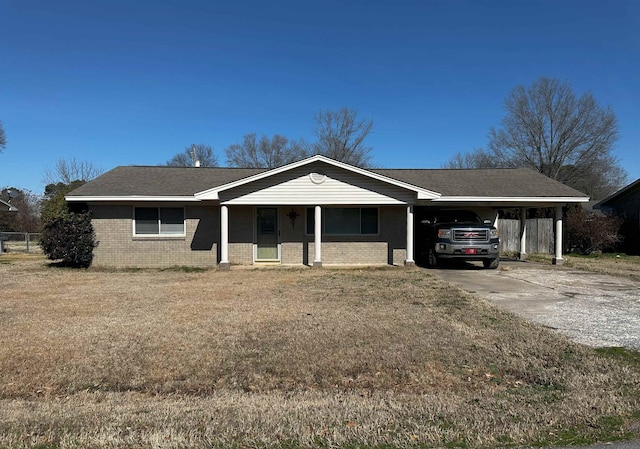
column 624, row 354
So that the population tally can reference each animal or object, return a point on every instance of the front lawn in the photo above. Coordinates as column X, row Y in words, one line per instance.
column 290, row 357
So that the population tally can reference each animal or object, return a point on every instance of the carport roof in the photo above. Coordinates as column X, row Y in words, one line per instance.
column 183, row 183
column 487, row 182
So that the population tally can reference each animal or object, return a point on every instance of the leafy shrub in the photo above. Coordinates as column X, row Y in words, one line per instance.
column 69, row 237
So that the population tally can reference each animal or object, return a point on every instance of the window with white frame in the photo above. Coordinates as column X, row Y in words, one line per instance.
column 345, row 220
column 149, row 221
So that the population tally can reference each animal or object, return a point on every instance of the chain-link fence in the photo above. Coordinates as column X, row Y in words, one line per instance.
column 25, row 242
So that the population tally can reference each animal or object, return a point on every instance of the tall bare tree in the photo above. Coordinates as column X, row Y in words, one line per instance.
column 3, row 138
column 67, row 171
column 548, row 128
column 264, row 153
column 200, row 152
column 478, row 158
column 341, row 134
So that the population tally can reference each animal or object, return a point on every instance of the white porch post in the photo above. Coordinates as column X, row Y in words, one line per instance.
column 409, row 260
column 523, row 233
column 317, row 233
column 558, row 260
column 224, row 238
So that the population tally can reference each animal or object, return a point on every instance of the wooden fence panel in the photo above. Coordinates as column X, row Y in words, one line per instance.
column 540, row 236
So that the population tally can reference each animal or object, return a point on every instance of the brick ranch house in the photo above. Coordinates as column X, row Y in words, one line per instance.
column 312, row 212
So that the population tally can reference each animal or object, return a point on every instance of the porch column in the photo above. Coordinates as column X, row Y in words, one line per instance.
column 317, row 233
column 224, row 238
column 558, row 260
column 409, row 260
column 523, row 234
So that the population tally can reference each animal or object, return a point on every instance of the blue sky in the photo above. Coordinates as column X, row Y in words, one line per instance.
column 135, row 82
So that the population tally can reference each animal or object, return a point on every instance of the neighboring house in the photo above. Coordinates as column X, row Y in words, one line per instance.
column 626, row 203
column 6, row 207
column 312, row 212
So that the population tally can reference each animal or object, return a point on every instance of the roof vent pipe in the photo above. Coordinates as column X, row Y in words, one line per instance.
column 196, row 162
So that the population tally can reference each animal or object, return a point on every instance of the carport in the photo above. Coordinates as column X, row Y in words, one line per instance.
column 487, row 191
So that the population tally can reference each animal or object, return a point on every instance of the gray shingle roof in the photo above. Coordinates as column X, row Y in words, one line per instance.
column 161, row 181
column 186, row 181
column 616, row 196
column 488, row 182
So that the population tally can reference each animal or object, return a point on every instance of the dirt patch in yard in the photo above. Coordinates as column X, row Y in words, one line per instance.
column 289, row 357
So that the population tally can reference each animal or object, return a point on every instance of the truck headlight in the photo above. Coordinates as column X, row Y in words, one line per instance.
column 494, row 233
column 444, row 233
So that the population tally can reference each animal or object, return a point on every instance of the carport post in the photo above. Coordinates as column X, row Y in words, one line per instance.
column 523, row 233
column 558, row 260
column 224, row 238
column 409, row 260
column 317, row 231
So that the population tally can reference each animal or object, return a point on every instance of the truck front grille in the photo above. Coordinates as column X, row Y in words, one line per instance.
column 473, row 235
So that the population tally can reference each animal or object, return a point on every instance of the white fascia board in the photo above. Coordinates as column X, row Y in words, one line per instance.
column 135, row 198
column 513, row 199
column 212, row 194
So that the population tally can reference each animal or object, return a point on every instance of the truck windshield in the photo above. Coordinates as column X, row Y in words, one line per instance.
column 457, row 216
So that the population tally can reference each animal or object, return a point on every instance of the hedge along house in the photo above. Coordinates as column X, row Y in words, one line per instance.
column 312, row 212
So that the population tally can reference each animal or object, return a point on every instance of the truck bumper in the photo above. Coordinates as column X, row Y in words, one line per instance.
column 467, row 251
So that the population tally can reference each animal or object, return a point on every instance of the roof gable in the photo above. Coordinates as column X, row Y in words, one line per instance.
column 315, row 163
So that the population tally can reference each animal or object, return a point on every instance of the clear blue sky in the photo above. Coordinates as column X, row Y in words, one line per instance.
column 135, row 82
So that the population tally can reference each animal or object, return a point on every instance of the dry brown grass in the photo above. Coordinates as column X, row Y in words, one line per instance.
column 288, row 357
column 607, row 263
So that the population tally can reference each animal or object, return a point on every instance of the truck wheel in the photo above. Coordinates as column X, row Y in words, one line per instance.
column 432, row 260
column 492, row 264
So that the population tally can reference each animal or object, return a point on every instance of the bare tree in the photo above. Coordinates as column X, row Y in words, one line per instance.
column 264, row 153
column 3, row 137
column 200, row 152
column 67, row 171
column 478, row 158
column 548, row 128
column 341, row 135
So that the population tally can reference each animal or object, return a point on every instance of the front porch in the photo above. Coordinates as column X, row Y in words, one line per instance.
column 311, row 235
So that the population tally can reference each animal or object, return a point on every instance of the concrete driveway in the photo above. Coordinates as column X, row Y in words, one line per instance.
column 593, row 309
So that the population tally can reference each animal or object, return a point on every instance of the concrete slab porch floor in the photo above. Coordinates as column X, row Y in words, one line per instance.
column 593, row 309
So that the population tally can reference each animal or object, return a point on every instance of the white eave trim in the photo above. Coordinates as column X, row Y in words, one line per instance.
column 129, row 198
column 9, row 207
column 213, row 194
column 512, row 199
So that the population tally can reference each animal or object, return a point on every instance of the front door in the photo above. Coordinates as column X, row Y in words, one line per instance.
column 267, row 234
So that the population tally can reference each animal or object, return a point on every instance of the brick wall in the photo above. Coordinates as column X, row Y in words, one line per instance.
column 241, row 220
column 389, row 247
column 117, row 247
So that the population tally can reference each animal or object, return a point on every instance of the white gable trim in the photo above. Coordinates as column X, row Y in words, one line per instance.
column 213, row 194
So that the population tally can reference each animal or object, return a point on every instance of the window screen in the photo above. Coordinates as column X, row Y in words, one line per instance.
column 159, row 221
column 345, row 220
